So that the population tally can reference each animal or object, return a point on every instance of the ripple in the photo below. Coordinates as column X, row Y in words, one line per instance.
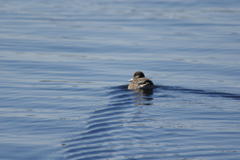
column 203, row 92
column 104, row 126
column 65, row 81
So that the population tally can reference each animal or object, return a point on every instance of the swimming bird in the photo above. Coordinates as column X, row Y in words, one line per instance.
column 140, row 82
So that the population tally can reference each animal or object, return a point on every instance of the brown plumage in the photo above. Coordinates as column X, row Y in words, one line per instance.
column 140, row 82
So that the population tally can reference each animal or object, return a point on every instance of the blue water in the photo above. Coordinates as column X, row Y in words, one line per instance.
column 65, row 67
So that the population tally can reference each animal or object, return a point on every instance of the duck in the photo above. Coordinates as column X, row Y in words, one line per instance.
column 140, row 82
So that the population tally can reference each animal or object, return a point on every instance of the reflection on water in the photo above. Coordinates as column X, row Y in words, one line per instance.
column 142, row 96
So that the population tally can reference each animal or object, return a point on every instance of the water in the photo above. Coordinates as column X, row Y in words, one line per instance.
column 65, row 67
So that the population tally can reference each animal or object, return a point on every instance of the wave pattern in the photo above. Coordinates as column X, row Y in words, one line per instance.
column 203, row 92
column 134, row 126
column 108, row 129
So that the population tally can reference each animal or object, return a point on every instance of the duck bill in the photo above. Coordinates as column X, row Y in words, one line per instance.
column 130, row 80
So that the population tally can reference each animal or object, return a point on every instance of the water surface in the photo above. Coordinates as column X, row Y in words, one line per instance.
column 65, row 67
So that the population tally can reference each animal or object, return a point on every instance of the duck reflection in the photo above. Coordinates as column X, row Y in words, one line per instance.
column 143, row 96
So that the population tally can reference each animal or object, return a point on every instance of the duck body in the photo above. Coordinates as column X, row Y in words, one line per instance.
column 140, row 82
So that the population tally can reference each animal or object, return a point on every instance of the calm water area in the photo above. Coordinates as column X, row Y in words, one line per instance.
column 65, row 67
